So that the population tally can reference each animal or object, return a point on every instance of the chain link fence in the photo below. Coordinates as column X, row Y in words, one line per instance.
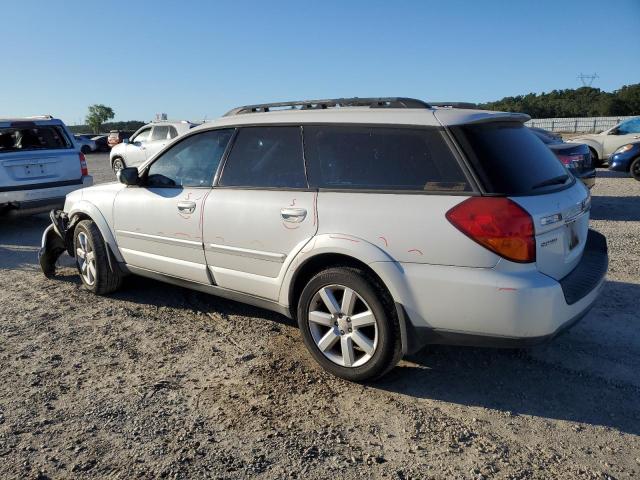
column 576, row 125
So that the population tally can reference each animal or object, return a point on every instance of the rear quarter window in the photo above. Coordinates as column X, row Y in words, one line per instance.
column 381, row 158
column 34, row 137
column 509, row 159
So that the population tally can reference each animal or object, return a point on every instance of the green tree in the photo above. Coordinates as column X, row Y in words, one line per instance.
column 98, row 114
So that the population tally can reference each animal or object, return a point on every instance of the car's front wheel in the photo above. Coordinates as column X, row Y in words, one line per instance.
column 349, row 325
column 118, row 164
column 92, row 261
column 634, row 169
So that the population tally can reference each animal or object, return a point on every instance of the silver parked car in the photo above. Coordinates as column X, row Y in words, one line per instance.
column 381, row 225
column 145, row 143
column 602, row 145
column 39, row 164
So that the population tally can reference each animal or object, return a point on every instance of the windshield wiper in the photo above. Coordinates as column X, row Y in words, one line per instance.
column 559, row 180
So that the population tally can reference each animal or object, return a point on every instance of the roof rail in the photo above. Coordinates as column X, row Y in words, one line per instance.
column 374, row 102
column 454, row 105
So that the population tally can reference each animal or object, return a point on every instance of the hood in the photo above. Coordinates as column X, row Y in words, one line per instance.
column 92, row 194
column 586, row 136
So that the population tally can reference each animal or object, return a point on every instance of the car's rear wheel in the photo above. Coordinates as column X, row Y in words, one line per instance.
column 595, row 161
column 349, row 325
column 117, row 165
column 634, row 169
column 92, row 260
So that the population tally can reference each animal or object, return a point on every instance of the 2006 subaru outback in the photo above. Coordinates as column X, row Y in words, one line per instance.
column 380, row 224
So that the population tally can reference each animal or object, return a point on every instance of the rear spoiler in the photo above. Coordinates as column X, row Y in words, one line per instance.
column 449, row 116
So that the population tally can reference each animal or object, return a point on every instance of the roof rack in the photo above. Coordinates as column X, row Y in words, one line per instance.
column 454, row 105
column 375, row 102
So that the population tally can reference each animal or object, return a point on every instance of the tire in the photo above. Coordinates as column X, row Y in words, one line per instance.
column 95, row 273
column 117, row 165
column 595, row 161
column 371, row 349
column 634, row 169
column 85, row 149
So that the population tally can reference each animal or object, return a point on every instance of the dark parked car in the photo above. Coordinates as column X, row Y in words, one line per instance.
column 101, row 142
column 626, row 159
column 117, row 136
column 575, row 156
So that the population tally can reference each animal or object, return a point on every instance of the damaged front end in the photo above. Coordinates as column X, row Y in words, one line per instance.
column 56, row 239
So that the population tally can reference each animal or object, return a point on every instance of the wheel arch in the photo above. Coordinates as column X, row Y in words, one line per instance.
column 329, row 250
column 85, row 210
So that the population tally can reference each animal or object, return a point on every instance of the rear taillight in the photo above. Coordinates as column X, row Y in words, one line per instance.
column 569, row 160
column 498, row 224
column 83, row 165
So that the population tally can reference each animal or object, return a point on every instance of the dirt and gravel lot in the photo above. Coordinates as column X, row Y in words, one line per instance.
column 158, row 381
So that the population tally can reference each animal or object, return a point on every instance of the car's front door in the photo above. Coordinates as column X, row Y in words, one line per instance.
column 158, row 139
column 159, row 222
column 136, row 150
column 624, row 133
column 261, row 212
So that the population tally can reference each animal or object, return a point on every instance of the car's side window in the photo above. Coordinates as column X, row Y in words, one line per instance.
column 630, row 126
column 381, row 158
column 173, row 133
column 142, row 136
column 266, row 157
column 160, row 133
column 190, row 163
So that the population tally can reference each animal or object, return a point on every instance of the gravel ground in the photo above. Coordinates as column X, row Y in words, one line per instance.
column 158, row 381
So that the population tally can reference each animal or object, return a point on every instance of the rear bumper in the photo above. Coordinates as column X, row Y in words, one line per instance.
column 31, row 199
column 488, row 307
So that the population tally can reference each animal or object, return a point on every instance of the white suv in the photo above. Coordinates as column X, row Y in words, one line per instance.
column 381, row 225
column 40, row 163
column 145, row 143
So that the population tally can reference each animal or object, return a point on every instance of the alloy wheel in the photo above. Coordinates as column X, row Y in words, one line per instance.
column 343, row 326
column 86, row 259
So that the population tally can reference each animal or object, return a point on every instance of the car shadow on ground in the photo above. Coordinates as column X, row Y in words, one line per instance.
column 580, row 376
column 621, row 209
column 603, row 173
column 20, row 240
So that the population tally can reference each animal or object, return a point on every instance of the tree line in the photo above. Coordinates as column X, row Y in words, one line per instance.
column 130, row 125
column 578, row 102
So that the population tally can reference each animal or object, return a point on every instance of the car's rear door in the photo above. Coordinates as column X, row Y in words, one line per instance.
column 159, row 223
column 261, row 213
column 37, row 154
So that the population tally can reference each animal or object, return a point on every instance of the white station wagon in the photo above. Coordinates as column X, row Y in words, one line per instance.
column 381, row 225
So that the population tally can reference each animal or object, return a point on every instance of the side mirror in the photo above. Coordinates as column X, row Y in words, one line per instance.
column 613, row 131
column 125, row 141
column 128, row 176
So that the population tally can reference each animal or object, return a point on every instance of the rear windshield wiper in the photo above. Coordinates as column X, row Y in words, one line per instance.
column 559, row 180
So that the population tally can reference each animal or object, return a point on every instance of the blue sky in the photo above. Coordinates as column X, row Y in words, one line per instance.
column 197, row 59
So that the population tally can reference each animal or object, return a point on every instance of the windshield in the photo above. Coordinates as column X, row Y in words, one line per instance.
column 511, row 160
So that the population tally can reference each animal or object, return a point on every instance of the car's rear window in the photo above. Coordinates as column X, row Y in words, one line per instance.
column 510, row 159
column 34, row 137
column 381, row 158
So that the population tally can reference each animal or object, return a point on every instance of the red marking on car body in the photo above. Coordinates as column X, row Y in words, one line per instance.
column 344, row 238
column 386, row 244
column 415, row 250
column 505, row 289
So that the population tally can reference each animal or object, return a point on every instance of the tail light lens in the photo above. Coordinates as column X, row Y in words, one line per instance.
column 569, row 160
column 499, row 224
column 83, row 165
